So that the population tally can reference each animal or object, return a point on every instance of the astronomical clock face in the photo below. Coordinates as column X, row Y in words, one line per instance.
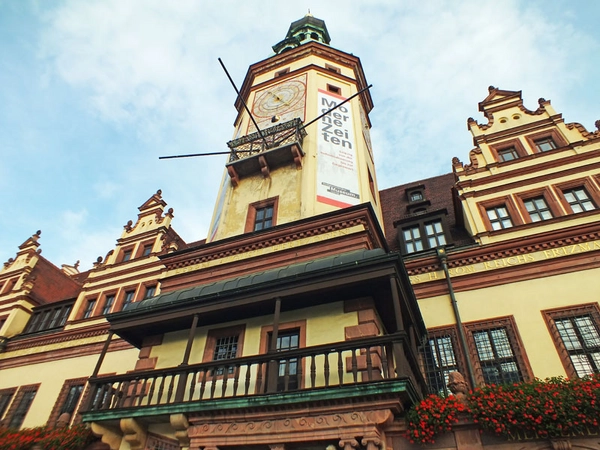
column 279, row 103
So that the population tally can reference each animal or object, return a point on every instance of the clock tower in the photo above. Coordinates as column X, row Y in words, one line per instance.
column 301, row 146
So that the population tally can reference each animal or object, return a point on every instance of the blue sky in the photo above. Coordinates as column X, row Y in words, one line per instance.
column 93, row 92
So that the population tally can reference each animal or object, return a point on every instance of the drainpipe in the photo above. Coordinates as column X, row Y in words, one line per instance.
column 443, row 257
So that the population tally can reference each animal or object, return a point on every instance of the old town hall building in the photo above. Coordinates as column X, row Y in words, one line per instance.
column 318, row 309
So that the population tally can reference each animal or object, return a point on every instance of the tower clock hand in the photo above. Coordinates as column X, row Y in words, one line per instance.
column 279, row 99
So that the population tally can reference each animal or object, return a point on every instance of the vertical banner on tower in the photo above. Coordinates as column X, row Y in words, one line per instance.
column 337, row 173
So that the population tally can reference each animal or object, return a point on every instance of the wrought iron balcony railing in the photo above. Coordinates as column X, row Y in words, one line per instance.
column 262, row 152
column 279, row 135
column 339, row 364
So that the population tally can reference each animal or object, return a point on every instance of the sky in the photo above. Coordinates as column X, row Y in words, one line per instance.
column 93, row 92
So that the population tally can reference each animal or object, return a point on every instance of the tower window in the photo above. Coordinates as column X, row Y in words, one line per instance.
column 282, row 72
column 333, row 68
column 147, row 250
column 261, row 215
column 263, row 218
column 334, row 89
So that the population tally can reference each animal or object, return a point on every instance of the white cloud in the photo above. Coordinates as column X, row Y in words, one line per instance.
column 147, row 75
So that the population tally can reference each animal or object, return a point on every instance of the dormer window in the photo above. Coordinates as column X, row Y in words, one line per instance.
column 424, row 232
column 416, row 196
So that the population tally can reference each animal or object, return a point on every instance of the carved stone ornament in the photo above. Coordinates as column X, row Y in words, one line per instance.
column 560, row 444
column 296, row 429
column 458, row 385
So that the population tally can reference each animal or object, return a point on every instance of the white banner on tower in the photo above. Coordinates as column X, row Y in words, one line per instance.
column 337, row 174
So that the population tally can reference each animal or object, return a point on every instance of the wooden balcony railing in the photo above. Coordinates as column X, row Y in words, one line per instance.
column 339, row 364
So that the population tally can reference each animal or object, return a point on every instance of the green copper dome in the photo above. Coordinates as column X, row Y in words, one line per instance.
column 301, row 31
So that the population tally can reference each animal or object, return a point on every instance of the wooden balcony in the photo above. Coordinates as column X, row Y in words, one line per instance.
column 262, row 152
column 376, row 365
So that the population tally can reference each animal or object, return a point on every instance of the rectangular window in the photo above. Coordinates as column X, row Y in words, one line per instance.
column 333, row 68
column 415, row 196
column 440, row 358
column 48, row 318
column 287, row 377
column 538, row 209
column 224, row 344
column 496, row 356
column 6, row 396
column 435, row 234
column 282, row 72
column 545, row 144
column 126, row 255
column 10, row 285
column 108, row 304
column 576, row 333
column 89, row 308
column 129, row 296
column 412, row 239
column 579, row 199
column 68, row 399
column 21, row 405
column 334, row 89
column 508, row 154
column 263, row 218
column 72, row 399
column 150, row 291
column 147, row 250
column 499, row 218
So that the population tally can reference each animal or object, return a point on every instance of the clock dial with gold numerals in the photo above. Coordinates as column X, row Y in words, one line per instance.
column 283, row 101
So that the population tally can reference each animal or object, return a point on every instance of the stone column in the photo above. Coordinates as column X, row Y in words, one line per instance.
column 348, row 443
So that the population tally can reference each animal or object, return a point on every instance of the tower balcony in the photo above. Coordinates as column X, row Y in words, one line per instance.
column 382, row 367
column 262, row 152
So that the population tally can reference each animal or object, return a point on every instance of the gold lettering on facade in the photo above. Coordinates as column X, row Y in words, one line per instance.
column 511, row 261
column 462, row 270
